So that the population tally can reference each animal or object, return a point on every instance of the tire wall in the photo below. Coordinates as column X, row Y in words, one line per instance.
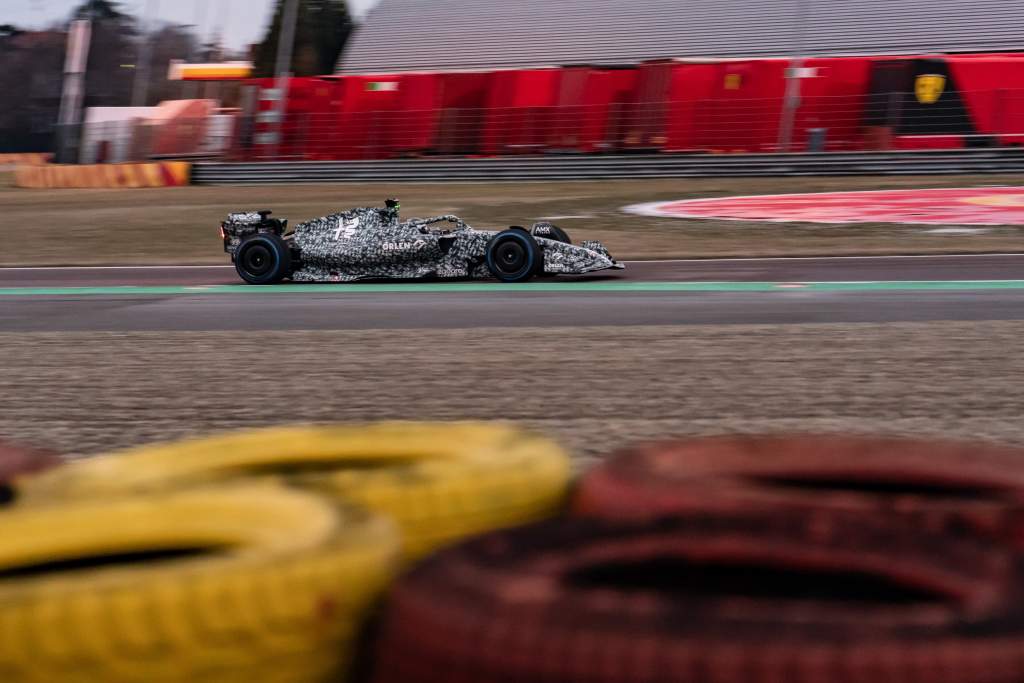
column 445, row 553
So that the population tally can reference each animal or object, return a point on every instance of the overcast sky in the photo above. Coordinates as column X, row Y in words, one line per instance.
column 243, row 21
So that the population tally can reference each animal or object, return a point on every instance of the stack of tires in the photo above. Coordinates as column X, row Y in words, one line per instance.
column 17, row 461
column 422, row 553
column 749, row 559
column 253, row 557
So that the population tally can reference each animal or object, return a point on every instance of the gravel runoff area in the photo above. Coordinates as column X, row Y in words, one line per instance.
column 179, row 225
column 592, row 388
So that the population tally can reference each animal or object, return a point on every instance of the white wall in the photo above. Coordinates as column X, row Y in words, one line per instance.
column 111, row 124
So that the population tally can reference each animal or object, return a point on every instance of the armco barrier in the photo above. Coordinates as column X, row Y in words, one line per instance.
column 610, row 167
column 156, row 174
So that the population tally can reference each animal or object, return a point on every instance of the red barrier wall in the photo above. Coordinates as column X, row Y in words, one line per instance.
column 651, row 106
column 322, row 121
column 297, row 131
column 367, row 114
column 590, row 109
column 993, row 88
column 664, row 105
column 692, row 86
column 413, row 127
column 461, row 120
column 833, row 98
column 519, row 108
column 745, row 107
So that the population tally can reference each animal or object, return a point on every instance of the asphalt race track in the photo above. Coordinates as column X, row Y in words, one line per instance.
column 729, row 291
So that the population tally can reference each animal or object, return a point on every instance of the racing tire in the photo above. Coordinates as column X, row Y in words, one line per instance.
column 256, row 583
column 931, row 482
column 748, row 598
column 439, row 482
column 514, row 256
column 16, row 461
column 263, row 259
column 554, row 233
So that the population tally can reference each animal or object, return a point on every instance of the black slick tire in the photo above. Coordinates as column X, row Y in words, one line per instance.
column 514, row 256
column 263, row 259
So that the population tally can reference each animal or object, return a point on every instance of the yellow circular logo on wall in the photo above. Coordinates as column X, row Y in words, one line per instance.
column 929, row 88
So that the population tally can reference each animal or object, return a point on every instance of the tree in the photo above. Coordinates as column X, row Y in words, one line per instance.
column 112, row 53
column 31, row 64
column 168, row 42
column 9, row 31
column 321, row 30
column 100, row 10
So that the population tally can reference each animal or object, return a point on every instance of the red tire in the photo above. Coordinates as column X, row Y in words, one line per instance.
column 15, row 461
column 934, row 483
column 716, row 599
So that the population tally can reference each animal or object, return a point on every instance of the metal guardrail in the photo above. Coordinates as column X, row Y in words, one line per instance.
column 612, row 167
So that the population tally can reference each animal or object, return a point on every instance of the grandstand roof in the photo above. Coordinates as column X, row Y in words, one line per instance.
column 417, row 35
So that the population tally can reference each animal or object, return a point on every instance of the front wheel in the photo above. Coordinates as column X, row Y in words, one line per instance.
column 263, row 259
column 551, row 232
column 514, row 256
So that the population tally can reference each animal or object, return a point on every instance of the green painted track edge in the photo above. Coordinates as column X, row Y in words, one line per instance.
column 554, row 287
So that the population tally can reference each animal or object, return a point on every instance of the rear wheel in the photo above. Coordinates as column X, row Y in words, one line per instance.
column 514, row 256
column 263, row 259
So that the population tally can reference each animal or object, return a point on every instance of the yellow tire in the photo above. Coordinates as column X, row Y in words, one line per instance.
column 254, row 583
column 439, row 482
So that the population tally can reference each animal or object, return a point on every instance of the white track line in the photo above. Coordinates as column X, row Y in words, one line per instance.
column 821, row 258
column 111, row 267
column 681, row 260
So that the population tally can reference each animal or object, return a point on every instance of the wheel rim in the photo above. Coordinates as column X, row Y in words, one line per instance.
column 510, row 257
column 257, row 260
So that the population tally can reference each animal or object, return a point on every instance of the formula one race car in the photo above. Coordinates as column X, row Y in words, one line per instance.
column 372, row 243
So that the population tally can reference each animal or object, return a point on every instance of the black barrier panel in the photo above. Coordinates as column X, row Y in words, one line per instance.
column 916, row 97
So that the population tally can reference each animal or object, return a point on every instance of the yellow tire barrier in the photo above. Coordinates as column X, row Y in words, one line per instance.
column 255, row 583
column 28, row 159
column 439, row 482
column 53, row 176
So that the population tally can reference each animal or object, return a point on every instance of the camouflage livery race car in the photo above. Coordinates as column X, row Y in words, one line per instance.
column 372, row 243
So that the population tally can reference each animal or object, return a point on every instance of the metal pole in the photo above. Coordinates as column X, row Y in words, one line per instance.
column 285, row 49
column 190, row 88
column 70, row 116
column 140, row 88
column 791, row 102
